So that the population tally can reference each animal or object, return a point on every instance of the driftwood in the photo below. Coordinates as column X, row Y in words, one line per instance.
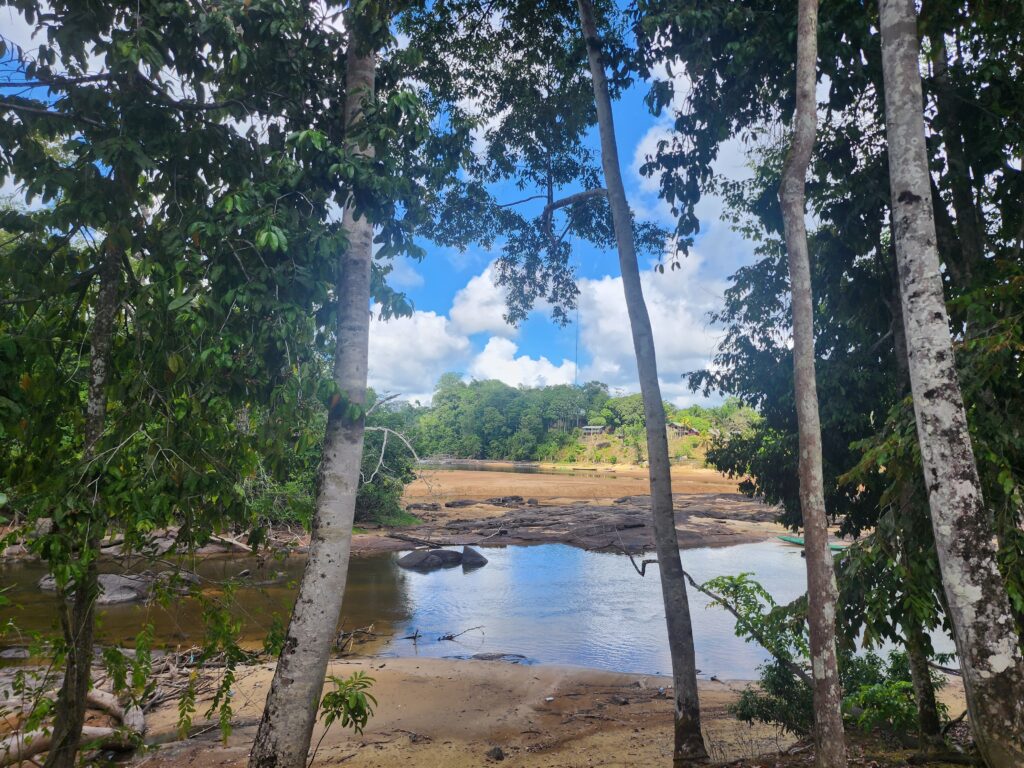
column 414, row 540
column 458, row 634
column 23, row 746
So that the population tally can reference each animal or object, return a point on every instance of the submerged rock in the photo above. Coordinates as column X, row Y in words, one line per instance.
column 472, row 559
column 512, row 658
column 430, row 559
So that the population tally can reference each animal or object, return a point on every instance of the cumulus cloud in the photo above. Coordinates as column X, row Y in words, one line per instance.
column 498, row 360
column 677, row 301
column 479, row 307
column 409, row 354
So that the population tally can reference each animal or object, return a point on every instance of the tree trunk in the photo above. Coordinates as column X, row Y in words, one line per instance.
column 929, row 724
column 689, row 741
column 979, row 608
column 830, row 739
column 285, row 729
column 78, row 599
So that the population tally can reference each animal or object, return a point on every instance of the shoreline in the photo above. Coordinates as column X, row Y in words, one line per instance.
column 442, row 712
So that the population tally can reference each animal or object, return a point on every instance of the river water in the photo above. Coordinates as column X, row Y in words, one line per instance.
column 550, row 603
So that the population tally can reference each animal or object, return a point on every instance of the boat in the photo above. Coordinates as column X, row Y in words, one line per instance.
column 799, row 541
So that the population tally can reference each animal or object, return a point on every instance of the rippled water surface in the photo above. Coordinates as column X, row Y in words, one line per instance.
column 550, row 603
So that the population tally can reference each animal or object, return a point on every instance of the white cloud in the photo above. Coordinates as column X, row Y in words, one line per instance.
column 479, row 307
column 498, row 361
column 403, row 274
column 409, row 354
column 677, row 301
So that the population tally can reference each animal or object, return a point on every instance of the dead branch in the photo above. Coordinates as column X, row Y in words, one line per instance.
column 458, row 634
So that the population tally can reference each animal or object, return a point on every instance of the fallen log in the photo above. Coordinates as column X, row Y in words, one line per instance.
column 414, row 540
column 22, row 746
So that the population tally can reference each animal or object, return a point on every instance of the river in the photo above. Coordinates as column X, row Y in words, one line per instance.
column 549, row 603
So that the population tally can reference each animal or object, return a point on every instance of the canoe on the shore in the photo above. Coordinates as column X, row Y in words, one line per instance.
column 799, row 541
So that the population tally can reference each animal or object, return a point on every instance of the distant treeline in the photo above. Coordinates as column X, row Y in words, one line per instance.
column 492, row 420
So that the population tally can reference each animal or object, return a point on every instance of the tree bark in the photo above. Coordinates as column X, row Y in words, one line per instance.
column 282, row 740
column 979, row 608
column 822, row 593
column 78, row 600
column 929, row 724
column 689, row 741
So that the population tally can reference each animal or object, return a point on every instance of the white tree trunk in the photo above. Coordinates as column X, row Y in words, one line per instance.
column 830, row 739
column 689, row 741
column 979, row 608
column 282, row 740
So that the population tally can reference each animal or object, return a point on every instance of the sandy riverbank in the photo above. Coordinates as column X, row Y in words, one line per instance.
column 436, row 712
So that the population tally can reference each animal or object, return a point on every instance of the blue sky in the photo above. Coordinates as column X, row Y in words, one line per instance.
column 457, row 325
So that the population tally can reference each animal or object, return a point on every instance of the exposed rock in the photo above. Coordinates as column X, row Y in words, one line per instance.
column 532, row 502
column 472, row 559
column 495, row 753
column 430, row 559
column 429, row 506
column 14, row 653
column 506, row 501
column 457, row 503
column 114, row 588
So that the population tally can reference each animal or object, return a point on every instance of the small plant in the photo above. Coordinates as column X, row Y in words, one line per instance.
column 889, row 705
column 350, row 703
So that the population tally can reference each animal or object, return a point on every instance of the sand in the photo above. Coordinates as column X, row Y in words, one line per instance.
column 436, row 712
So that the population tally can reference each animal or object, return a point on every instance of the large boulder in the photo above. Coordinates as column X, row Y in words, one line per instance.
column 472, row 559
column 430, row 559
column 114, row 588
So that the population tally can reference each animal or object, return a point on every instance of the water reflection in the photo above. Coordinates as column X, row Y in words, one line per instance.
column 550, row 603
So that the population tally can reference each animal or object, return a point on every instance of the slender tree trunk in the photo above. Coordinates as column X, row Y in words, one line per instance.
column 689, row 741
column 979, row 608
column 928, row 721
column 282, row 740
column 78, row 600
column 929, row 724
column 830, row 739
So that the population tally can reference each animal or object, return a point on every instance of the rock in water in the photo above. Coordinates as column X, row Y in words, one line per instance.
column 114, row 588
column 430, row 559
column 472, row 559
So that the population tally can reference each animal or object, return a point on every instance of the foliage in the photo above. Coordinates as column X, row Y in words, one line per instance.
column 387, row 466
column 491, row 420
column 350, row 703
column 736, row 91
column 875, row 689
column 890, row 705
